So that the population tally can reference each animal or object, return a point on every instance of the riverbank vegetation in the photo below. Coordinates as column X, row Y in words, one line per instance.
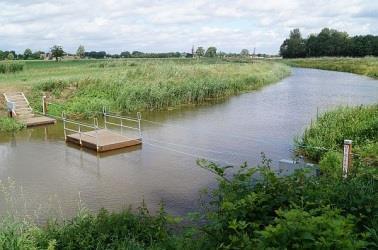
column 367, row 66
column 10, row 125
column 252, row 208
column 326, row 135
column 84, row 87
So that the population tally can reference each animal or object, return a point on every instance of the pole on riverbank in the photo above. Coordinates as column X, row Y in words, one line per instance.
column 347, row 159
column 44, row 105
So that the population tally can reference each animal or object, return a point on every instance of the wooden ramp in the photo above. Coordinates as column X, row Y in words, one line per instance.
column 103, row 139
column 20, row 108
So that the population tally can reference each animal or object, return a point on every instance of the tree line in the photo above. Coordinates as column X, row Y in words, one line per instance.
column 56, row 52
column 329, row 42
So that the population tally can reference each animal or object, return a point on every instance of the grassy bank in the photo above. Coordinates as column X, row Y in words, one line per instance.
column 367, row 66
column 359, row 124
column 8, row 125
column 140, row 84
column 295, row 212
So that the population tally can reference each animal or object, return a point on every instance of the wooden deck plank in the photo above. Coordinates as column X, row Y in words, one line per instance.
column 38, row 121
column 107, row 140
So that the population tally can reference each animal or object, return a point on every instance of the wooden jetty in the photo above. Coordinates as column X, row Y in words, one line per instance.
column 102, row 139
column 19, row 108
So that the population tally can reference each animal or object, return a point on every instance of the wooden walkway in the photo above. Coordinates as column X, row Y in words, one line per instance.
column 102, row 140
column 38, row 121
column 20, row 109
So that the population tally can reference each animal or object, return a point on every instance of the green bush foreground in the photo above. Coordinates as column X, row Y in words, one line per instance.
column 252, row 209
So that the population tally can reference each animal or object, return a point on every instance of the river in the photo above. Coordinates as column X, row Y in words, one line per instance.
column 55, row 176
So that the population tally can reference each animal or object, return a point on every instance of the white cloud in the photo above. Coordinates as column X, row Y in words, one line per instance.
column 168, row 25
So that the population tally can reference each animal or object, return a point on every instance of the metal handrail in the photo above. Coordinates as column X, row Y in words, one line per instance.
column 121, row 125
column 106, row 115
column 121, row 117
column 79, row 124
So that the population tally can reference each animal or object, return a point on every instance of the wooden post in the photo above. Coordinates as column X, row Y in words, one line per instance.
column 44, row 105
column 347, row 159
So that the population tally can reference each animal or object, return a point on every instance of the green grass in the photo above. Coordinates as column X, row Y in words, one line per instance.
column 10, row 125
column 85, row 86
column 359, row 124
column 367, row 66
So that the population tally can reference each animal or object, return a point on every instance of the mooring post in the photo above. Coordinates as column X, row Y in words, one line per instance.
column 347, row 159
column 44, row 105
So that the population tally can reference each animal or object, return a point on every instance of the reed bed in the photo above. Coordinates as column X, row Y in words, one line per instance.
column 131, row 85
column 359, row 124
column 10, row 67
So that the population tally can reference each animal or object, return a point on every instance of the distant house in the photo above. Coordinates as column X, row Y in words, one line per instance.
column 45, row 56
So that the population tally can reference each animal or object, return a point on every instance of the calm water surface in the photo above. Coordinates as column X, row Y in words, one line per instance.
column 55, row 176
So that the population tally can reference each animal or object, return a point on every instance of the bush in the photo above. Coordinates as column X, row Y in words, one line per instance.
column 317, row 229
column 330, row 164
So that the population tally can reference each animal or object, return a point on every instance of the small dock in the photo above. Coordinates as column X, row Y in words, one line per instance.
column 103, row 139
column 19, row 108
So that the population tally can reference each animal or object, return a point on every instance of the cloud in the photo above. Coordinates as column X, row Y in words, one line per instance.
column 168, row 25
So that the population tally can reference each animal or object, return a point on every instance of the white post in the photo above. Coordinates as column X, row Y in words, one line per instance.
column 64, row 126
column 139, row 127
column 347, row 157
column 44, row 105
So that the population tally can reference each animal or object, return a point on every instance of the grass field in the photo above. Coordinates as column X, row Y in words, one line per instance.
column 139, row 84
column 367, row 66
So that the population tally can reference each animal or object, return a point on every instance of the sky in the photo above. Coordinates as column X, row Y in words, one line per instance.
column 175, row 25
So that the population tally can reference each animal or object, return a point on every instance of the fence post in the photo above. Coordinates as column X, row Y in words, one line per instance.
column 44, row 105
column 347, row 159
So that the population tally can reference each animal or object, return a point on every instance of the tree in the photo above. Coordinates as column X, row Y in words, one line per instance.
column 57, row 52
column 244, row 52
column 36, row 55
column 10, row 56
column 125, row 54
column 27, row 54
column 294, row 46
column 2, row 56
column 211, row 52
column 80, row 51
column 200, row 51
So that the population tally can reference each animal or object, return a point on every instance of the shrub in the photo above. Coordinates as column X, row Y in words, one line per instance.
column 317, row 229
column 330, row 164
